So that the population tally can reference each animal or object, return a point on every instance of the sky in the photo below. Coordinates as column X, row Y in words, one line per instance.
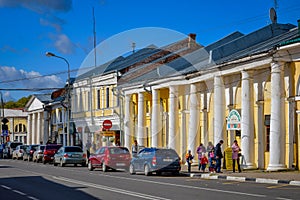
column 69, row 28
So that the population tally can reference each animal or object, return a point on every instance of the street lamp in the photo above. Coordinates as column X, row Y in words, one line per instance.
column 49, row 54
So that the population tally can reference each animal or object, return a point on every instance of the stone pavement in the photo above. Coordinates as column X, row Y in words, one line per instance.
column 259, row 176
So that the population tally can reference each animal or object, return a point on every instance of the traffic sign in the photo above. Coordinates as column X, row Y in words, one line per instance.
column 107, row 124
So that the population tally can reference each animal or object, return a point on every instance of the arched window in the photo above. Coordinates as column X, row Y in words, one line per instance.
column 20, row 128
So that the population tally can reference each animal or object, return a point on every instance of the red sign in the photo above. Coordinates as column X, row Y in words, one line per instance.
column 107, row 124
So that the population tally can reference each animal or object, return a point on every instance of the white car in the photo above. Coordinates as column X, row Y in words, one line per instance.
column 19, row 152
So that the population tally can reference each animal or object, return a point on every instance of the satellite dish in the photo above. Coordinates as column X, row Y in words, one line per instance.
column 273, row 15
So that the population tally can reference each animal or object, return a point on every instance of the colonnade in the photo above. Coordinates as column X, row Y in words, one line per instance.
column 249, row 126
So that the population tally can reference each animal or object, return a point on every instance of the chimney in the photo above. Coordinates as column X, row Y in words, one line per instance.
column 192, row 40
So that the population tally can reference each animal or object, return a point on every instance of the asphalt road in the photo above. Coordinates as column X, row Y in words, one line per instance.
column 27, row 180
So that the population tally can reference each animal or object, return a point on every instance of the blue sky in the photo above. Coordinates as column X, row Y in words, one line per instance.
column 29, row 28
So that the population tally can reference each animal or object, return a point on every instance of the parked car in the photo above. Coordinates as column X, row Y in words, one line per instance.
column 38, row 154
column 70, row 155
column 110, row 158
column 156, row 160
column 28, row 153
column 9, row 148
column 19, row 152
column 49, row 151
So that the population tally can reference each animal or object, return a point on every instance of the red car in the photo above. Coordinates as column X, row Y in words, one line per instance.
column 49, row 151
column 110, row 158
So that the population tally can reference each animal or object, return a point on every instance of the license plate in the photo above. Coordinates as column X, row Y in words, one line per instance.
column 167, row 159
column 120, row 164
column 52, row 157
column 75, row 156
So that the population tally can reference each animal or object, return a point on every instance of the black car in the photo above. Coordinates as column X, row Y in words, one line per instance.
column 156, row 160
column 28, row 153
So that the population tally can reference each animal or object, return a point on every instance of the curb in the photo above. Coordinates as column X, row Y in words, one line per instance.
column 243, row 179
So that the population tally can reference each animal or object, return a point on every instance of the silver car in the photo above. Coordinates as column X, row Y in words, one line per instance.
column 19, row 152
column 70, row 155
column 38, row 154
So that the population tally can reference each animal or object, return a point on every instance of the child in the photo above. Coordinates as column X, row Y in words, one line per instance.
column 203, row 162
column 189, row 160
column 212, row 163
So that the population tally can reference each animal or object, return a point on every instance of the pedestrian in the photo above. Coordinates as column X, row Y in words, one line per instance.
column 212, row 161
column 235, row 155
column 219, row 156
column 200, row 150
column 134, row 147
column 204, row 162
column 189, row 160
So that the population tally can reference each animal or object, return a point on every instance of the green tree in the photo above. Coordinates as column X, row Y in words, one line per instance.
column 18, row 104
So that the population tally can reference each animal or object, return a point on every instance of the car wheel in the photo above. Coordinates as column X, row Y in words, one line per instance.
column 83, row 164
column 158, row 173
column 44, row 161
column 90, row 166
column 147, row 170
column 131, row 169
column 104, row 167
column 61, row 163
column 54, row 163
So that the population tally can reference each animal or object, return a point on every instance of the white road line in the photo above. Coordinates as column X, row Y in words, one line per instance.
column 117, row 190
column 187, row 186
column 6, row 187
column 19, row 192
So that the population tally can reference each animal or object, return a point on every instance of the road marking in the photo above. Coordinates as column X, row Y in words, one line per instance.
column 190, row 187
column 280, row 198
column 277, row 186
column 19, row 192
column 111, row 189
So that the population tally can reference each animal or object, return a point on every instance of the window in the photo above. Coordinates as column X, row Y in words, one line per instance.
column 20, row 128
column 60, row 115
column 107, row 97
column 98, row 99
column 268, row 139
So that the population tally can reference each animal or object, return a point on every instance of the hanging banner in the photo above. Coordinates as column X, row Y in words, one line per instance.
column 234, row 120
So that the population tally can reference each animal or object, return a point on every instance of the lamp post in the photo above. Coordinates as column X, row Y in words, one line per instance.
column 49, row 54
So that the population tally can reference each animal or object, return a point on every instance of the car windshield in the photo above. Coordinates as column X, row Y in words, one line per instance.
column 51, row 147
column 166, row 152
column 73, row 149
column 119, row 150
column 15, row 144
column 42, row 147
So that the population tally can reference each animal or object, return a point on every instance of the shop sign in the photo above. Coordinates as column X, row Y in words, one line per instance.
column 234, row 120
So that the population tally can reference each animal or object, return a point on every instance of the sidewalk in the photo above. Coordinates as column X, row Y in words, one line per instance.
column 258, row 176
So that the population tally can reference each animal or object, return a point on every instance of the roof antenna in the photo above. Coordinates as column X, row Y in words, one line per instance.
column 273, row 15
column 133, row 47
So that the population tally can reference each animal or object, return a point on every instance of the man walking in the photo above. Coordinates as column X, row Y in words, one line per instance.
column 219, row 156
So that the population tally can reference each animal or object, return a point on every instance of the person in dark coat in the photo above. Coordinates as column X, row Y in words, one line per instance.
column 219, row 156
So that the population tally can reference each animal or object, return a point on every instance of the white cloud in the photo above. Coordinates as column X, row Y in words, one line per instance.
column 63, row 44
column 39, row 6
column 12, row 78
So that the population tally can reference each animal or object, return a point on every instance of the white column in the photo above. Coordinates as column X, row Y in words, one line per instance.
column 38, row 133
column 291, row 133
column 247, row 120
column 141, row 119
column 33, row 129
column 173, row 116
column 194, row 118
column 277, row 129
column 260, row 135
column 46, row 127
column 219, row 109
column 155, row 118
column 29, row 129
column 127, row 120
column 205, row 120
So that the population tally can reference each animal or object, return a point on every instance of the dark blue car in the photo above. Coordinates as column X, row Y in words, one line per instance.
column 156, row 160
